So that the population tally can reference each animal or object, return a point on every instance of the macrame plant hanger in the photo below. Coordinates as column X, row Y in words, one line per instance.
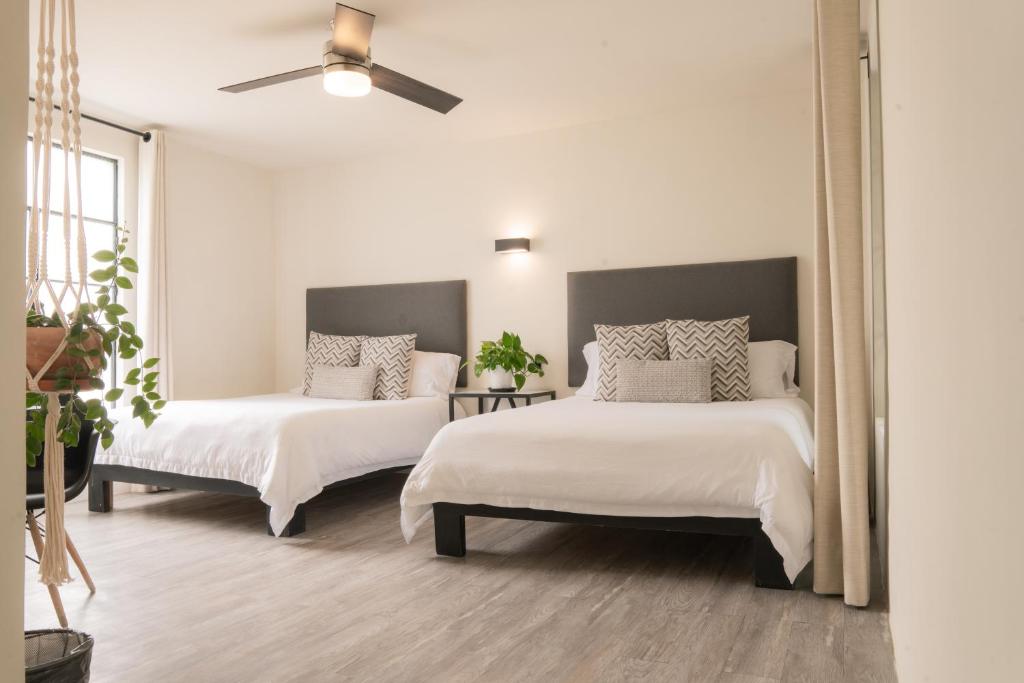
column 53, row 563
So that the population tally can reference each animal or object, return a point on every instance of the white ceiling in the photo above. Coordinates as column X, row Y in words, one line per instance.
column 519, row 66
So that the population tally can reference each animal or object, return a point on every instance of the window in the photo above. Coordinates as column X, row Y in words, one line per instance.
column 100, row 212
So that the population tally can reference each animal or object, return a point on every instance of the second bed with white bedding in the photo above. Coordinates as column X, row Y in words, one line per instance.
column 750, row 459
column 287, row 446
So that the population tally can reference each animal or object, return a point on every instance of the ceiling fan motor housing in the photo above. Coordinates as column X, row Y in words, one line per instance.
column 332, row 61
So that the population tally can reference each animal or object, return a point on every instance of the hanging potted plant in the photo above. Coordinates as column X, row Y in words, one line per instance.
column 86, row 347
column 68, row 347
column 507, row 363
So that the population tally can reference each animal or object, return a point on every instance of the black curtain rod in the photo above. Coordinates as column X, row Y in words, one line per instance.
column 145, row 135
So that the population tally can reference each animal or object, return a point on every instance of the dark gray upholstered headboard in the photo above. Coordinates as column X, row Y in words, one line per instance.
column 764, row 289
column 435, row 311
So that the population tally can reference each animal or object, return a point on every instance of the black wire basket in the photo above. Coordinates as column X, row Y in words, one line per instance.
column 57, row 656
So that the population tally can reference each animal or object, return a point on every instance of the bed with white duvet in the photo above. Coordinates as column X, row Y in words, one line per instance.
column 287, row 446
column 750, row 459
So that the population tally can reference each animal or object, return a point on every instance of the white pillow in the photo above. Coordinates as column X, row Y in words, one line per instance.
column 589, row 388
column 772, row 369
column 433, row 374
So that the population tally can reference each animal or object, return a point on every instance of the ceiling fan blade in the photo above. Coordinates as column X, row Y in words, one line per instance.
column 274, row 80
column 412, row 90
column 352, row 29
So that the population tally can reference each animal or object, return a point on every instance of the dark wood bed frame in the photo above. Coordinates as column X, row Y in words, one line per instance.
column 450, row 532
column 764, row 289
column 435, row 311
column 101, row 496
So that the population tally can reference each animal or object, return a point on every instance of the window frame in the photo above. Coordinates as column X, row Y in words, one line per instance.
column 115, row 220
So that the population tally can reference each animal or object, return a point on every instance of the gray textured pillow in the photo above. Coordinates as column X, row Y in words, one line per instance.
column 330, row 350
column 355, row 384
column 664, row 381
column 640, row 342
column 393, row 358
column 722, row 341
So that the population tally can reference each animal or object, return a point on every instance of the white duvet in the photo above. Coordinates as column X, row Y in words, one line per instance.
column 736, row 459
column 288, row 446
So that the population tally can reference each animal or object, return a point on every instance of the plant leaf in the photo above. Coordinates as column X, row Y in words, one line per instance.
column 114, row 394
column 102, row 274
column 151, row 362
column 141, row 407
column 129, row 264
column 104, row 255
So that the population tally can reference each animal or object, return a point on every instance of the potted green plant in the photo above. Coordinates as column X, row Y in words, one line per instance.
column 90, row 347
column 507, row 363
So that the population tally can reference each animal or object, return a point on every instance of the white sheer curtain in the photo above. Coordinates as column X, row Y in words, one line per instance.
column 154, row 314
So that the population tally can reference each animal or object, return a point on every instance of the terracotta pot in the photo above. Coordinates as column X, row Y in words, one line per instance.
column 40, row 344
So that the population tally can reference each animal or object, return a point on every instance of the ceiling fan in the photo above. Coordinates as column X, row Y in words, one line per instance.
column 348, row 72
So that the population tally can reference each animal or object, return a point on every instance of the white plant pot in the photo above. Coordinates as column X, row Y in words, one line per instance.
column 500, row 379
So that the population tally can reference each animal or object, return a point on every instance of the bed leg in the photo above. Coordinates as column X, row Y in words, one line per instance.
column 449, row 531
column 768, row 567
column 101, row 494
column 296, row 525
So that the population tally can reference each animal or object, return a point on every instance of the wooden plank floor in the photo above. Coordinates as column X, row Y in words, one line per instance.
column 191, row 589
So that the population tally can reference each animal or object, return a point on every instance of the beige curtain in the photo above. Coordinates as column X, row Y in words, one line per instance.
column 154, row 314
column 842, row 550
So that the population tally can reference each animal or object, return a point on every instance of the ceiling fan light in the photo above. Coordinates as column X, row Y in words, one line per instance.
column 347, row 80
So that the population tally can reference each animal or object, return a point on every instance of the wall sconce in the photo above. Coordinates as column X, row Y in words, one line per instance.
column 515, row 245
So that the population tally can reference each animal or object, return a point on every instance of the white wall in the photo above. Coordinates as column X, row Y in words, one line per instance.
column 722, row 182
column 13, row 125
column 220, row 274
column 954, row 169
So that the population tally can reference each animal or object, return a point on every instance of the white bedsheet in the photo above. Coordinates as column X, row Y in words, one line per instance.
column 738, row 459
column 288, row 446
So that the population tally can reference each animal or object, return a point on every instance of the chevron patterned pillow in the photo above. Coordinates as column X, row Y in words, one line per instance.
column 639, row 342
column 330, row 350
column 722, row 341
column 393, row 358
